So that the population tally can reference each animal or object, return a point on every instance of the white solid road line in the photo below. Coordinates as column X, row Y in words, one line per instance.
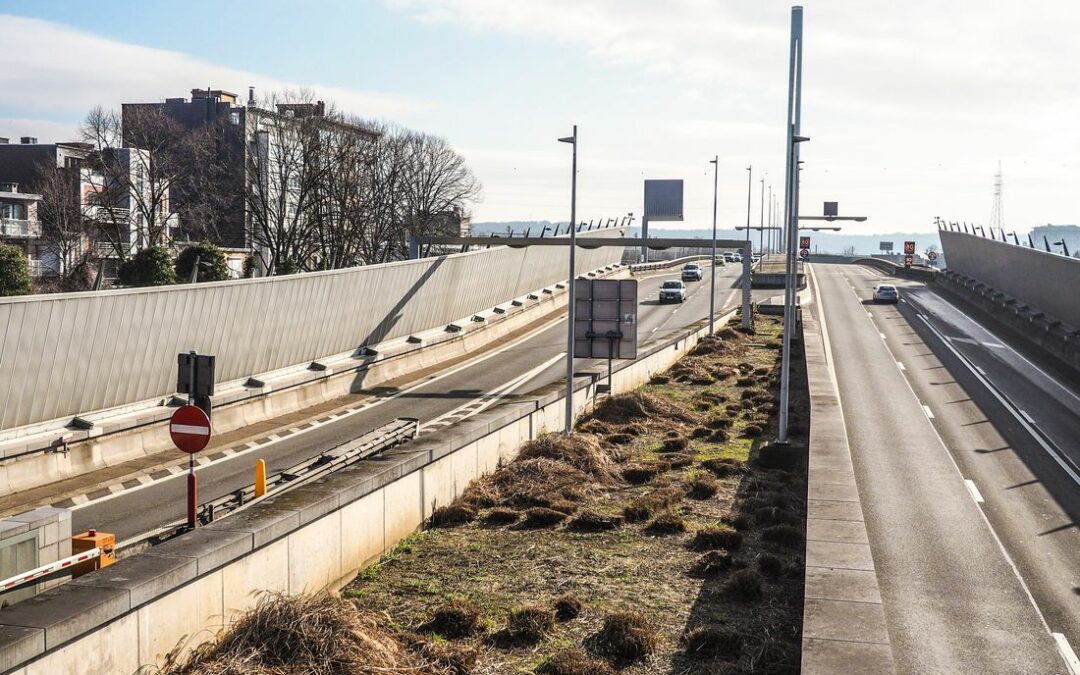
column 1067, row 653
column 929, row 413
column 974, row 490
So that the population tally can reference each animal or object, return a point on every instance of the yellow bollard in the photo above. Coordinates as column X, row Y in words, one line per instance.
column 260, row 478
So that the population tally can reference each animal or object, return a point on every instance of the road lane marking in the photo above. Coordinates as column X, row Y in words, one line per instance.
column 1006, row 403
column 1067, row 653
column 1029, row 418
column 974, row 490
column 929, row 413
column 900, row 365
column 882, row 335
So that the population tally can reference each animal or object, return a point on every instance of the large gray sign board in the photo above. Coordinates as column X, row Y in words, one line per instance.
column 664, row 200
column 605, row 325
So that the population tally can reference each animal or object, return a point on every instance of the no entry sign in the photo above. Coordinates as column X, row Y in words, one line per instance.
column 190, row 429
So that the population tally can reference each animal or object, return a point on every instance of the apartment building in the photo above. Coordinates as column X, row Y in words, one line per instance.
column 19, row 224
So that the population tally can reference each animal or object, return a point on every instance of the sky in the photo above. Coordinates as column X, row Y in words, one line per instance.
column 909, row 105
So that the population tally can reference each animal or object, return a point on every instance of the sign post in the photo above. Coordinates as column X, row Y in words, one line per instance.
column 909, row 253
column 189, row 429
column 804, row 248
column 605, row 320
column 932, row 257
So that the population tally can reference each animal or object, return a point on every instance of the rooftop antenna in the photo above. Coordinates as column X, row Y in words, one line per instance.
column 997, row 212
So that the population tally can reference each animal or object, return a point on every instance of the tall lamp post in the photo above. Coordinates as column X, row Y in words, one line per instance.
column 570, row 302
column 761, row 219
column 749, row 191
column 715, row 161
column 791, row 211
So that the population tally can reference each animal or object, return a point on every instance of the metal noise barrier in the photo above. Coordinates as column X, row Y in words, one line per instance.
column 381, row 439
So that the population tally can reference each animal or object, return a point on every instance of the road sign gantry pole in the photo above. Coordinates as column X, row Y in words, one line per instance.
column 712, row 275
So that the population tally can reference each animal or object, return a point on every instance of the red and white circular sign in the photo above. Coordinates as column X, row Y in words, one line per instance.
column 190, row 429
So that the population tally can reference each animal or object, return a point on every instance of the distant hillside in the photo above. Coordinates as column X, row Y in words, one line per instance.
column 820, row 242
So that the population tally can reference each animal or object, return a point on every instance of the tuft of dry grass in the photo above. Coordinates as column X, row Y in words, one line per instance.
column 770, row 565
column 452, row 514
column 452, row 658
column 717, row 537
column 639, row 474
column 785, row 535
column 593, row 521
column 640, row 406
column 713, row 642
column 626, row 637
column 744, row 584
column 667, row 523
column 538, row 482
column 529, row 624
column 567, row 607
column 711, row 565
column 703, row 486
column 539, row 517
column 580, row 451
column 501, row 516
column 311, row 634
column 722, row 467
column 677, row 444
column 454, row 619
column 574, row 661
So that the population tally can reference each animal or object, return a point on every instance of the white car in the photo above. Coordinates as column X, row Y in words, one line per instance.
column 672, row 290
column 886, row 293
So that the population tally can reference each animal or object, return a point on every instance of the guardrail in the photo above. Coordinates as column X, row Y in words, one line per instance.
column 385, row 437
column 917, row 273
column 664, row 264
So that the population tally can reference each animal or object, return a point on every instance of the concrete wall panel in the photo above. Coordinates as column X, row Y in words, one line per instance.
column 78, row 352
column 1044, row 281
column 112, row 648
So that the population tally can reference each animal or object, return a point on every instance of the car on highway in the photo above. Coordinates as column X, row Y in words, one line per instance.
column 692, row 272
column 729, row 257
column 886, row 293
column 719, row 261
column 737, row 257
column 672, row 290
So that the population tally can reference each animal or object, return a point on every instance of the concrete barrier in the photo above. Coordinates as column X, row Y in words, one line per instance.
column 64, row 354
column 916, row 273
column 1035, row 278
column 34, row 460
column 316, row 537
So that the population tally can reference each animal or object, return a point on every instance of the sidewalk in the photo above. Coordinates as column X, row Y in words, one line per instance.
column 844, row 628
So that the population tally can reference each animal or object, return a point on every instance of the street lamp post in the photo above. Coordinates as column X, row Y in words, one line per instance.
column 715, row 161
column 749, row 190
column 761, row 220
column 570, row 302
column 791, row 216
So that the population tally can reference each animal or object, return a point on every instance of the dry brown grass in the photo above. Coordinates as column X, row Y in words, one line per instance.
column 567, row 607
column 457, row 513
column 574, row 661
column 454, row 619
column 626, row 637
column 316, row 635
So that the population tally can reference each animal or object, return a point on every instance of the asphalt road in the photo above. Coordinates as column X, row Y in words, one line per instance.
column 962, row 522
column 143, row 509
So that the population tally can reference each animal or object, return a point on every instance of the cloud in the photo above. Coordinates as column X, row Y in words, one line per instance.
column 909, row 104
column 58, row 72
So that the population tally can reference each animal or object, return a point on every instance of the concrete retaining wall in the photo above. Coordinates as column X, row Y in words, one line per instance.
column 1041, row 280
column 69, row 353
column 315, row 537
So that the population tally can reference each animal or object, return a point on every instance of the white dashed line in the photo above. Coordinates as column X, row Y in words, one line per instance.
column 900, row 366
column 975, row 494
column 1029, row 418
column 929, row 413
column 882, row 335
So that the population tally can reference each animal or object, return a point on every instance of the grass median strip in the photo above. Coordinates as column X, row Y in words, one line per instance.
column 653, row 540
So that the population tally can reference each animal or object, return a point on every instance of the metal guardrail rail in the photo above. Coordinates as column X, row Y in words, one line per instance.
column 385, row 437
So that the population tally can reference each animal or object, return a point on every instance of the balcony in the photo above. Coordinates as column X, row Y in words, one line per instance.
column 107, row 214
column 23, row 229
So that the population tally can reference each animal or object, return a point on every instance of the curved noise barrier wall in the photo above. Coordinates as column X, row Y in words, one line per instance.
column 76, row 352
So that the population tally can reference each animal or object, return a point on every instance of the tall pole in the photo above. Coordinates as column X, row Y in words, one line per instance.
column 768, row 240
column 761, row 220
column 712, row 275
column 791, row 216
column 749, row 190
column 570, row 301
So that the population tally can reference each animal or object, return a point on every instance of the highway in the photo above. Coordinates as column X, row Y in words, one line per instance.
column 518, row 367
column 965, row 456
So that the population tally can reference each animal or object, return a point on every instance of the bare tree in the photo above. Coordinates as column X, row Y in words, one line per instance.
column 64, row 234
column 438, row 184
column 137, row 159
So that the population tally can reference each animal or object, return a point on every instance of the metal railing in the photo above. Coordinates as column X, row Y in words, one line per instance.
column 390, row 435
column 15, row 227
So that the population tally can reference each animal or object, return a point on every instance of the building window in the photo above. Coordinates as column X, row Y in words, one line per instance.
column 234, row 117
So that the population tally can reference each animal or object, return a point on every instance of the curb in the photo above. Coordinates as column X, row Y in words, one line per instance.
column 844, row 629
